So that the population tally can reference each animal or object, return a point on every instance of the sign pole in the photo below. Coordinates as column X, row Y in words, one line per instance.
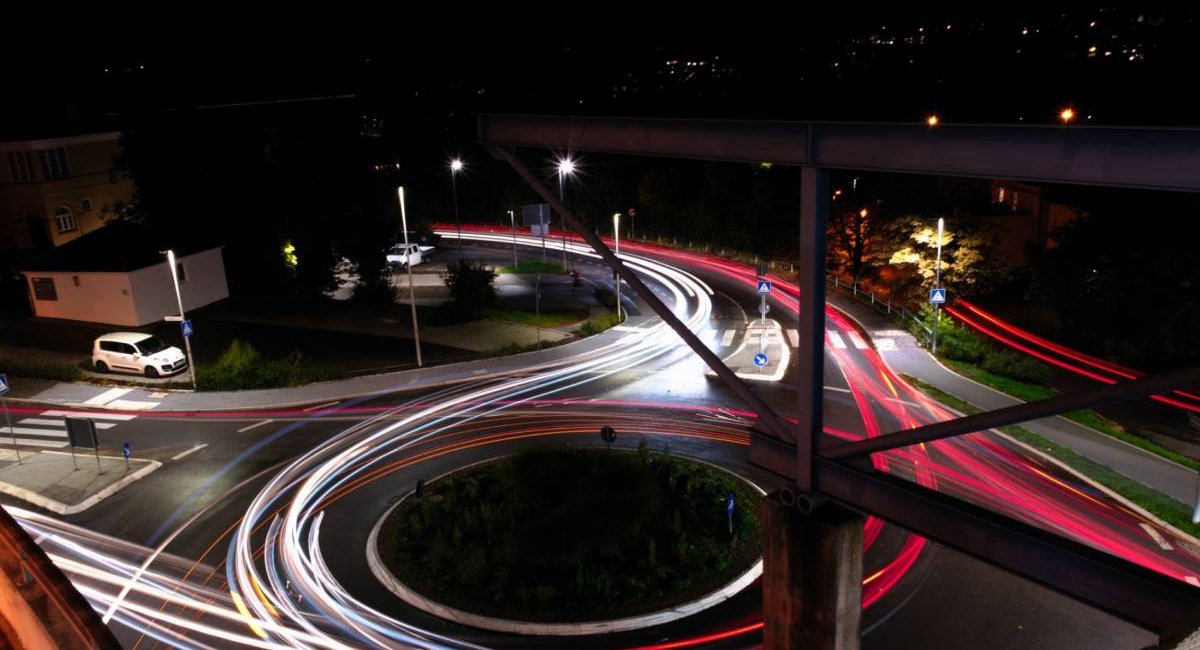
column 8, row 421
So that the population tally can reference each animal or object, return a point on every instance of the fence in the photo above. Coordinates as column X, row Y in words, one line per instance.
column 895, row 311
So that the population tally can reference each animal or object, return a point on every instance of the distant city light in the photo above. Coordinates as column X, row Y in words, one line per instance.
column 566, row 166
column 933, row 120
column 863, row 213
column 456, row 165
column 1067, row 115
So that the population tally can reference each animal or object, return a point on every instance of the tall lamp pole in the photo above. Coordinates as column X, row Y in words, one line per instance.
column 412, row 299
column 456, row 166
column 937, row 284
column 513, row 221
column 566, row 167
column 187, row 340
column 617, row 252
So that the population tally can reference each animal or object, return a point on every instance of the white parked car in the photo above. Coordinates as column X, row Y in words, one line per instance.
column 397, row 257
column 136, row 352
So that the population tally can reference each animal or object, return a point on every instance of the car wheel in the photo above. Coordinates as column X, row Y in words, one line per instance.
column 151, row 372
column 101, row 367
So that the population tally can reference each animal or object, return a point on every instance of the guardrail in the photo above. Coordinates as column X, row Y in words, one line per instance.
column 895, row 311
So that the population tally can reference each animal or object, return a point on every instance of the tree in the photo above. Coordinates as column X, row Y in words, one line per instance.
column 851, row 232
column 470, row 286
column 969, row 263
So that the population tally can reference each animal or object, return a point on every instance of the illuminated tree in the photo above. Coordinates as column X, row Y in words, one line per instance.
column 970, row 265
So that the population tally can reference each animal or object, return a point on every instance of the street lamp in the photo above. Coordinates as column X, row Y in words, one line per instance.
column 187, row 340
column 456, row 166
column 513, row 220
column 617, row 252
column 937, row 284
column 566, row 167
column 412, row 299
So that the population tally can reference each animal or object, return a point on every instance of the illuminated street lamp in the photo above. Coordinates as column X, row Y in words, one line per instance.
column 933, row 120
column 456, row 166
column 187, row 340
column 566, row 167
column 1066, row 115
column 937, row 284
column 513, row 220
column 412, row 299
column 617, row 252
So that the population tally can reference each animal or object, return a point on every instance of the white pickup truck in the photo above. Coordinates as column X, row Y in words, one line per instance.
column 398, row 258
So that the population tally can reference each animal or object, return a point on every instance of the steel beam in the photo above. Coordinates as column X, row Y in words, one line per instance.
column 1120, row 392
column 1117, row 586
column 1145, row 158
column 753, row 401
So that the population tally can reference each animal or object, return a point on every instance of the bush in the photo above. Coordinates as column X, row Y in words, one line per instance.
column 591, row 327
column 607, row 297
column 241, row 367
column 40, row 370
column 470, row 286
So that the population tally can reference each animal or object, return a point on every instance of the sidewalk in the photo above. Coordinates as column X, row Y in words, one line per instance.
column 65, row 486
column 910, row 358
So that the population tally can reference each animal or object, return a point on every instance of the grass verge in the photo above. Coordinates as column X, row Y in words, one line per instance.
column 1160, row 505
column 1087, row 418
column 556, row 318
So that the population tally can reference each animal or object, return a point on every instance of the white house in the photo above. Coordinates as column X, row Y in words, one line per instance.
column 118, row 275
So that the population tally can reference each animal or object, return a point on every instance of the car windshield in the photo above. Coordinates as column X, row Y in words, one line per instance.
column 151, row 345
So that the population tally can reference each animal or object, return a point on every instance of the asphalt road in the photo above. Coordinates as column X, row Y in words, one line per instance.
column 945, row 600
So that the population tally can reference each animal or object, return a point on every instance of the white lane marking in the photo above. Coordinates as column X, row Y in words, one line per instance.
column 188, row 451
column 836, row 339
column 85, row 414
column 1155, row 535
column 480, row 371
column 322, row 406
column 36, row 442
column 46, row 423
column 107, row 396
column 1192, row 580
column 885, row 344
column 253, row 426
column 727, row 339
column 794, row 338
column 709, row 337
column 56, row 433
column 158, row 395
column 857, row 340
column 889, row 333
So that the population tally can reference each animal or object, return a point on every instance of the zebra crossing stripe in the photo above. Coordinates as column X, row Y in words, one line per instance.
column 727, row 339
column 794, row 337
column 86, row 414
column 857, row 340
column 836, row 339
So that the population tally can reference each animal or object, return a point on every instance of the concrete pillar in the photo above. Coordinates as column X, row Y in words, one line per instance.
column 810, row 355
column 812, row 576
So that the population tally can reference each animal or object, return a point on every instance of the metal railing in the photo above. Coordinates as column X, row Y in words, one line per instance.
column 895, row 311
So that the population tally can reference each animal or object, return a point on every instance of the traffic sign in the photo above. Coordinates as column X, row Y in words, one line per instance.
column 760, row 359
column 764, row 286
column 186, row 326
column 937, row 296
column 126, row 451
column 3, row 383
column 729, row 504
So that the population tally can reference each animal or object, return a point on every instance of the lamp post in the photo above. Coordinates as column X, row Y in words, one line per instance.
column 617, row 252
column 187, row 340
column 412, row 300
column 937, row 284
column 456, row 166
column 566, row 167
column 513, row 221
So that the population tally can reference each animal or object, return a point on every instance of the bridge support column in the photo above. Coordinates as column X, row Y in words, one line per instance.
column 812, row 575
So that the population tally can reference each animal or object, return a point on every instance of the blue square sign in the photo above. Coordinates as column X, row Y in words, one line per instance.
column 764, row 286
column 3, row 383
column 937, row 296
column 186, row 326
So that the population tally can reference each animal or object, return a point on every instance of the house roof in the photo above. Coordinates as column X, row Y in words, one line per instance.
column 119, row 247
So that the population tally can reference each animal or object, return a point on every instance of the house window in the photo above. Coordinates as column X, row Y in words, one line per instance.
column 21, row 166
column 181, row 272
column 54, row 163
column 75, row 279
column 87, row 205
column 1000, row 196
column 65, row 219
column 43, row 289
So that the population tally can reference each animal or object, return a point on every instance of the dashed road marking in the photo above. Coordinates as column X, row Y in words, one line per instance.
column 188, row 451
column 322, row 406
column 835, row 339
column 254, row 426
column 1156, row 536
column 857, row 340
column 727, row 339
column 794, row 337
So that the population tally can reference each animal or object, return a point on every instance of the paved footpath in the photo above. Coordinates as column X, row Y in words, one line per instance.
column 909, row 358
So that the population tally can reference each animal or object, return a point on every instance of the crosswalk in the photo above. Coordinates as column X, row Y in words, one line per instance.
column 724, row 338
column 49, row 429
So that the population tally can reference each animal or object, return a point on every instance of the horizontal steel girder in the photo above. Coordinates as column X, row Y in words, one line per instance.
column 1121, row 588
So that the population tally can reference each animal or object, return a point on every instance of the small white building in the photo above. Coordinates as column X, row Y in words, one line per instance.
column 118, row 275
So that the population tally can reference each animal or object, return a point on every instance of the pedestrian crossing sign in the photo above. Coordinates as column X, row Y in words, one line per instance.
column 764, row 286
column 3, row 383
column 937, row 296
